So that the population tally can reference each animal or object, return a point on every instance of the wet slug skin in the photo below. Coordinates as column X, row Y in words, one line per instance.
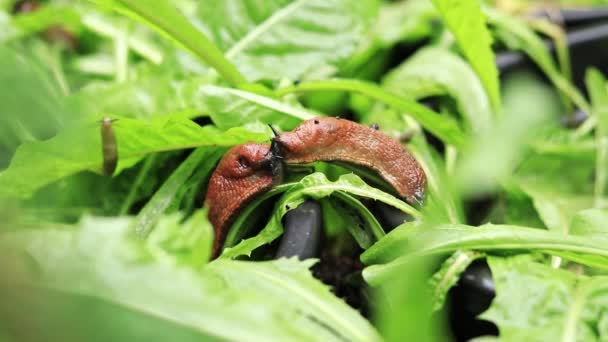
column 251, row 169
column 332, row 139
column 243, row 173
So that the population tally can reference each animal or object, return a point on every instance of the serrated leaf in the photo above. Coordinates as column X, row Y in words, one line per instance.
column 535, row 302
column 315, row 186
column 157, row 288
column 448, row 275
column 467, row 23
column 407, row 242
column 79, row 148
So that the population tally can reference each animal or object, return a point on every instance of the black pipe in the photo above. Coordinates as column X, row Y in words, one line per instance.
column 303, row 226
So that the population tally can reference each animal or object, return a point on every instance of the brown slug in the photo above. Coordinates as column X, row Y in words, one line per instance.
column 242, row 173
column 252, row 168
column 332, row 139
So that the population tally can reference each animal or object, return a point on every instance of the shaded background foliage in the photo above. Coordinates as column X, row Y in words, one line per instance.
column 516, row 159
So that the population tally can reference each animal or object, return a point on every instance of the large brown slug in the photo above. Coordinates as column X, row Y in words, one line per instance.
column 251, row 169
column 333, row 139
column 242, row 173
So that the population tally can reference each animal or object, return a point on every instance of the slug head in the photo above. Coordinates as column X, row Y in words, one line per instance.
column 310, row 137
column 244, row 172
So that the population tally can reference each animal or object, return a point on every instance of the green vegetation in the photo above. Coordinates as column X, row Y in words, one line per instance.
column 127, row 256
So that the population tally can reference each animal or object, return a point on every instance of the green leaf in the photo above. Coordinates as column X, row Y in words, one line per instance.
column 436, row 71
column 30, row 102
column 166, row 194
column 449, row 274
column 559, row 184
column 79, row 148
column 535, row 302
column 592, row 223
column 25, row 24
column 598, row 90
column 467, row 23
column 405, row 305
column 404, row 21
column 514, row 33
column 529, row 106
column 407, row 242
column 92, row 276
column 443, row 127
column 283, row 38
column 441, row 203
column 162, row 16
column 371, row 230
column 146, row 96
column 230, row 108
column 315, row 186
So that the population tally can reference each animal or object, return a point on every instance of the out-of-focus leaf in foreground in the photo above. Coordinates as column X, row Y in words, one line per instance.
column 529, row 105
column 405, row 312
column 77, row 149
column 93, row 282
column 435, row 72
column 536, row 302
column 598, row 90
column 284, row 38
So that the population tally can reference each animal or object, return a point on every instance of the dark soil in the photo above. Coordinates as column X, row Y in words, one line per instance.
column 343, row 274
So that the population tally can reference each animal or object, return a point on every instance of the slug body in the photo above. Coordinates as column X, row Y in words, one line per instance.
column 109, row 148
column 333, row 139
column 243, row 173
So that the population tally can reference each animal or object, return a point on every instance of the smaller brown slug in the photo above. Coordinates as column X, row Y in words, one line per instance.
column 243, row 172
column 109, row 148
column 332, row 139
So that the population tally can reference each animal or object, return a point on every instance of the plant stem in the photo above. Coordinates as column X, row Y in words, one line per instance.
column 437, row 124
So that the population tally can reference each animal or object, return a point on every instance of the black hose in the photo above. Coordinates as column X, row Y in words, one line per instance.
column 302, row 233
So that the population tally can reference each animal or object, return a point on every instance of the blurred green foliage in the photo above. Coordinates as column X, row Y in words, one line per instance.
column 178, row 77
